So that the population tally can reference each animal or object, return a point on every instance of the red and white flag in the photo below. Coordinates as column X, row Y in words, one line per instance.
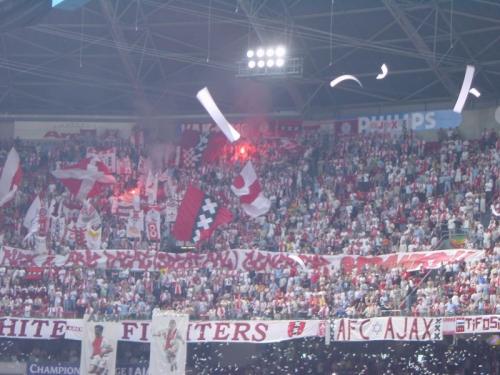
column 106, row 155
column 10, row 178
column 86, row 178
column 246, row 186
column 199, row 148
column 198, row 216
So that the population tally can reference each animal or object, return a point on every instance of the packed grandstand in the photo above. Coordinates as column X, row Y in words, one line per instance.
column 358, row 197
column 362, row 196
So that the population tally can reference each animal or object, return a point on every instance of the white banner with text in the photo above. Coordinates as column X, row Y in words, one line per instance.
column 396, row 328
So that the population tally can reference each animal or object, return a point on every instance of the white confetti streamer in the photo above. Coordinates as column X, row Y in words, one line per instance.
column 384, row 72
column 464, row 91
column 475, row 92
column 297, row 259
column 344, row 77
column 208, row 103
column 494, row 211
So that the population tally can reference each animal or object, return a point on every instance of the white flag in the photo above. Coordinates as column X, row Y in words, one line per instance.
column 10, row 179
column 32, row 212
column 151, row 189
column 135, row 224
column 89, row 225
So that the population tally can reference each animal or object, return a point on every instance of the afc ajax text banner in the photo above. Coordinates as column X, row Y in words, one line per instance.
column 396, row 328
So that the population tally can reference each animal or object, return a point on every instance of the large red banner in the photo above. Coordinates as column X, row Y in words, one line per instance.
column 243, row 260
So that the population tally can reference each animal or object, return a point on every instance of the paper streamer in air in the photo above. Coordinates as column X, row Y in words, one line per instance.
column 464, row 91
column 475, row 92
column 345, row 77
column 494, row 211
column 208, row 103
column 384, row 72
column 297, row 259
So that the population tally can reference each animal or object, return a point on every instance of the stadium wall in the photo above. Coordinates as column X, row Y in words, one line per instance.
column 166, row 128
column 12, row 368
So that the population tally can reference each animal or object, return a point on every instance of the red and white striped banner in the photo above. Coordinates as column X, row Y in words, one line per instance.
column 238, row 259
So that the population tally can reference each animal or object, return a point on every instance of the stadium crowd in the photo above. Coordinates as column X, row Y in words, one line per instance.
column 368, row 195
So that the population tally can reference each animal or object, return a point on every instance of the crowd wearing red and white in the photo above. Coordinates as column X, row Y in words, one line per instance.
column 364, row 196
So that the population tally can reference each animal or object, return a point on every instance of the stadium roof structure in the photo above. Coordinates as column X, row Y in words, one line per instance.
column 143, row 57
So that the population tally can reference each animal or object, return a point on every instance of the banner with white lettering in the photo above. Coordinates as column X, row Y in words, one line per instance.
column 36, row 368
column 240, row 260
column 389, row 123
column 168, row 348
column 472, row 324
column 99, row 347
column 396, row 328
column 410, row 121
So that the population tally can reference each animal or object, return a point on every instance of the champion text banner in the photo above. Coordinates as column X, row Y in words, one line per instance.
column 36, row 368
column 388, row 329
column 241, row 260
column 168, row 349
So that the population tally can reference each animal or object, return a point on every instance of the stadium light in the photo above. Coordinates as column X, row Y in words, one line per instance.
column 68, row 4
column 280, row 51
column 270, row 61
